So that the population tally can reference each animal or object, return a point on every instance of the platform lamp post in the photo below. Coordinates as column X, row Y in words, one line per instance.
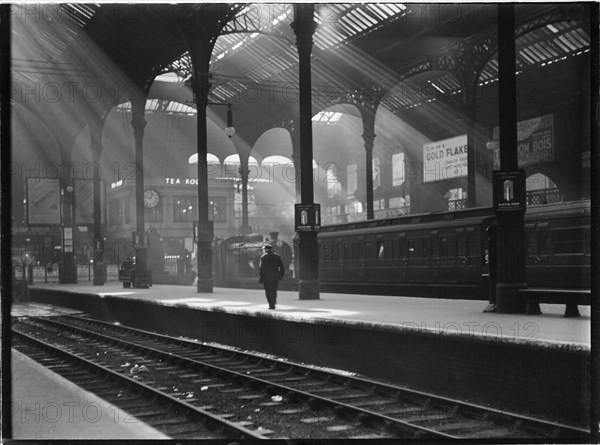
column 243, row 169
column 229, row 129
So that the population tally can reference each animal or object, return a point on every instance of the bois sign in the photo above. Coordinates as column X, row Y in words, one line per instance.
column 445, row 159
column 535, row 141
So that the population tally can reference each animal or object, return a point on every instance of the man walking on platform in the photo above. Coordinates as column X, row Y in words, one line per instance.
column 271, row 270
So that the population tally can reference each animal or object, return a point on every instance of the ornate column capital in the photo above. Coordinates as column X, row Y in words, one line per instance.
column 138, row 123
column 304, row 26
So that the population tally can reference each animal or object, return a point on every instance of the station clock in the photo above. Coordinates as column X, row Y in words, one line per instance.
column 151, row 198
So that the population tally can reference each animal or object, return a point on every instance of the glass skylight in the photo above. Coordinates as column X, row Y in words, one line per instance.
column 339, row 23
column 166, row 106
column 328, row 117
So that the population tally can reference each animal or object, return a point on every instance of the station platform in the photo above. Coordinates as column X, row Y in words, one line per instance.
column 430, row 314
column 536, row 365
column 46, row 406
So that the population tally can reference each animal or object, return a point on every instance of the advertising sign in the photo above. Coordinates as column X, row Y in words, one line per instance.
column 352, row 178
column 308, row 217
column 84, row 201
column 112, row 272
column 83, row 272
column 446, row 159
column 398, row 169
column 43, row 201
column 535, row 141
column 509, row 190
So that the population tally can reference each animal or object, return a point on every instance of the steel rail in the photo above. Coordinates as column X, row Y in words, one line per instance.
column 192, row 410
column 396, row 425
column 563, row 430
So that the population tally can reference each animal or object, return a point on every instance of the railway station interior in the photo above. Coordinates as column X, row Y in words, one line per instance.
column 424, row 170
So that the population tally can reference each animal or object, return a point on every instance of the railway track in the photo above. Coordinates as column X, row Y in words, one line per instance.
column 266, row 397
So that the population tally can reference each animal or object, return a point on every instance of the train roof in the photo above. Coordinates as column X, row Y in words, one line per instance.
column 421, row 226
column 433, row 221
column 560, row 209
column 477, row 213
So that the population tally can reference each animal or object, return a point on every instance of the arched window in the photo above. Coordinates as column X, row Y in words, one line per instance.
column 334, row 186
column 540, row 189
column 376, row 173
column 457, row 199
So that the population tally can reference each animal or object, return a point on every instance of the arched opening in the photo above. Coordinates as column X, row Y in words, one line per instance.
column 540, row 189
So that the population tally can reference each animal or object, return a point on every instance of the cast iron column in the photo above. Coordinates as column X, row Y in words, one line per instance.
column 367, row 101
column 304, row 27
column 510, row 234
column 470, row 83
column 291, row 126
column 138, row 123
column 7, row 290
column 201, row 86
column 96, row 148
column 201, row 28
column 244, row 173
column 68, row 269
column 369, row 138
column 595, row 185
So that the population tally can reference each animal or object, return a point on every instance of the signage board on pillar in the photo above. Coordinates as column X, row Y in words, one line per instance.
column 308, row 217
column 509, row 190
column 203, row 232
column 140, row 240
column 68, row 239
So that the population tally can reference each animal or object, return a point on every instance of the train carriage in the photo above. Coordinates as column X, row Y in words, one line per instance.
column 410, row 257
column 442, row 255
column 559, row 246
column 445, row 254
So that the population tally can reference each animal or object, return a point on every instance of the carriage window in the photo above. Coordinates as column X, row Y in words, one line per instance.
column 448, row 247
column 435, row 247
column 568, row 240
column 461, row 246
column 402, row 253
column 415, row 248
column 531, row 241
column 427, row 248
column 452, row 250
column 389, row 250
column 329, row 252
column 587, row 243
column 379, row 249
column 545, row 242
column 473, row 246
column 412, row 249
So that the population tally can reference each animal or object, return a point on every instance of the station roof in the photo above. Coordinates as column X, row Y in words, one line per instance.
column 357, row 47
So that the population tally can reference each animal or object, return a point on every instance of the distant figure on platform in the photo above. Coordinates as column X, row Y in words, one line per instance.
column 271, row 270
